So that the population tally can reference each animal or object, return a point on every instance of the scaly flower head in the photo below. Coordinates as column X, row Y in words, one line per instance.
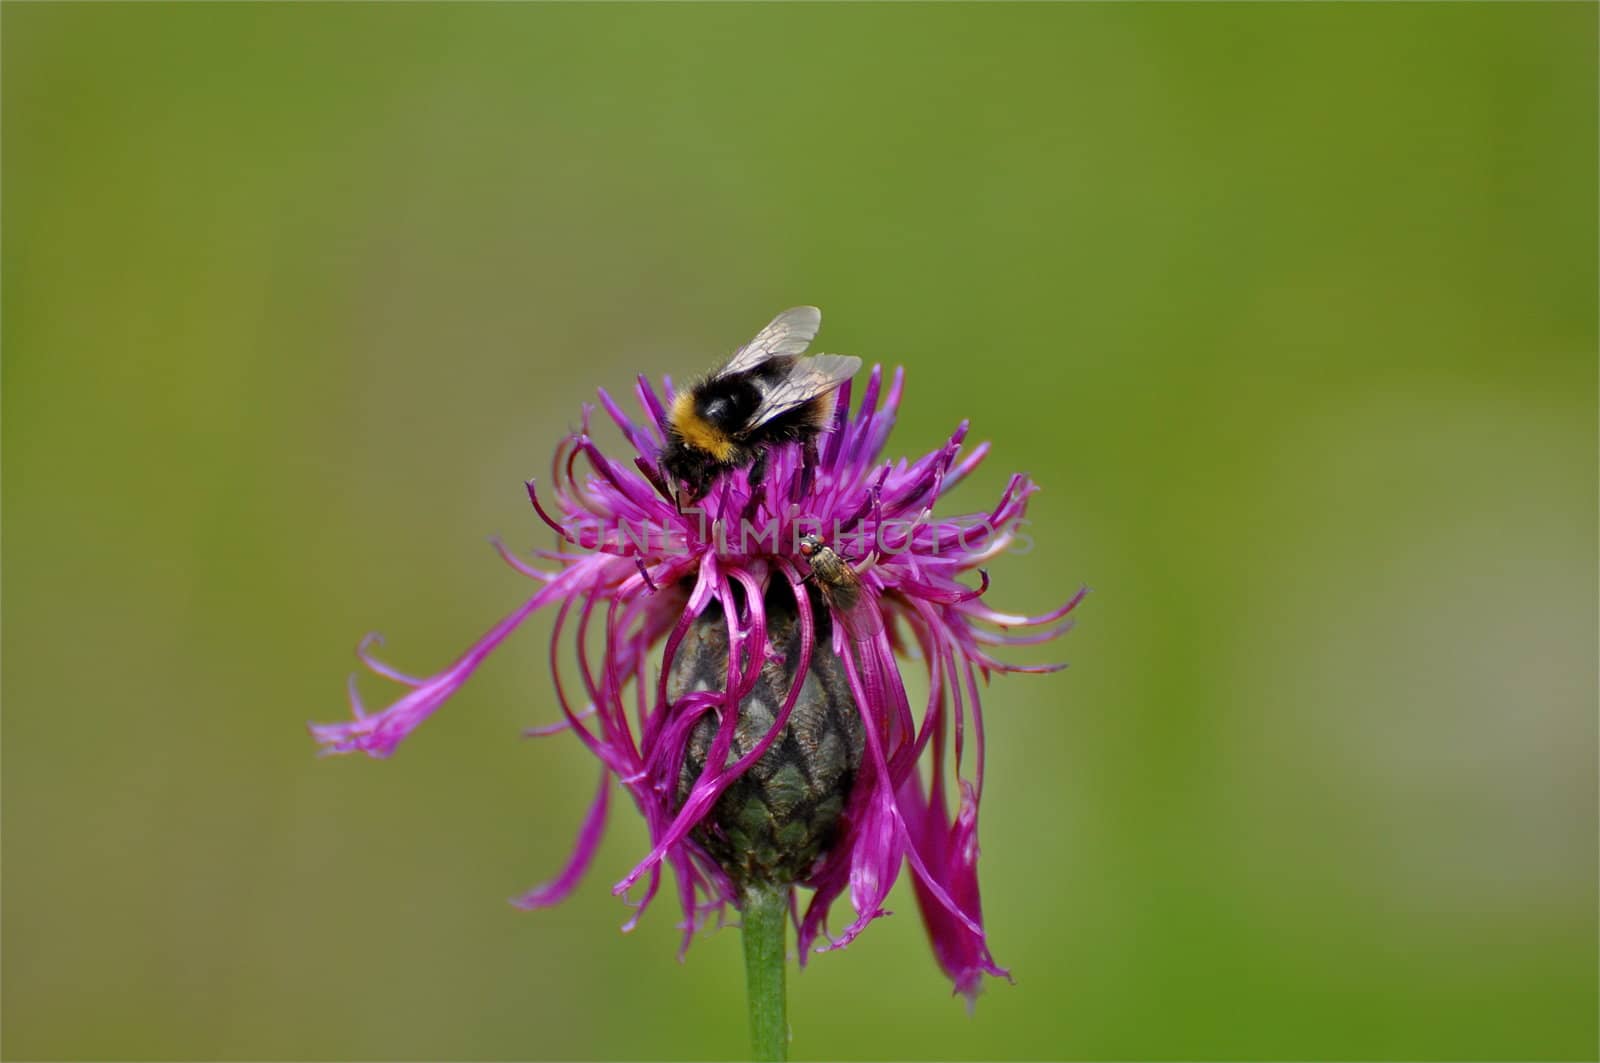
column 760, row 726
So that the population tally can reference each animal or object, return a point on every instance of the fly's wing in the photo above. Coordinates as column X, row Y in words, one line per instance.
column 787, row 335
column 855, row 606
column 809, row 378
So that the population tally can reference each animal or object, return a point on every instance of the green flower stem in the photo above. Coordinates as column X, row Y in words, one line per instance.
column 764, row 917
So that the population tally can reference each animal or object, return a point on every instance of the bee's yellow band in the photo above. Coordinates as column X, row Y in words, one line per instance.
column 696, row 431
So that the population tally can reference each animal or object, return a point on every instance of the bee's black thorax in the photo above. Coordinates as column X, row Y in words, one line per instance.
column 728, row 404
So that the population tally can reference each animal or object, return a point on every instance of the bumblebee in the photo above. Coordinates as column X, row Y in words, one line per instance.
column 842, row 589
column 766, row 394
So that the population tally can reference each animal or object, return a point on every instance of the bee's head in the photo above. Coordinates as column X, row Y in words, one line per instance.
column 694, row 480
column 689, row 469
column 810, row 545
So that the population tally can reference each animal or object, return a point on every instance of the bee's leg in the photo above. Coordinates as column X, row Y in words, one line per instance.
column 808, row 464
column 758, row 473
column 758, row 483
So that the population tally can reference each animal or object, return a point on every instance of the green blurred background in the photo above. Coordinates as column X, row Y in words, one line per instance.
column 1291, row 309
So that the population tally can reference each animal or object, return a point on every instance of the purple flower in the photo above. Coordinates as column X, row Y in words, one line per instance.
column 652, row 584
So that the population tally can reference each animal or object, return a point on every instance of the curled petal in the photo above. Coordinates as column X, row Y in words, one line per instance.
column 1015, row 620
column 594, row 826
column 378, row 667
column 378, row 735
column 517, row 563
column 546, row 730
column 950, row 853
column 952, row 594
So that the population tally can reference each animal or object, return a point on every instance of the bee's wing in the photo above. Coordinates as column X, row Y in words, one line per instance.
column 788, row 334
column 810, row 377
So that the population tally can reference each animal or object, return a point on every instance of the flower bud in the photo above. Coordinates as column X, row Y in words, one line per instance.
column 774, row 822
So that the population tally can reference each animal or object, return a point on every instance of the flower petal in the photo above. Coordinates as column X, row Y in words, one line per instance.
column 378, row 735
column 594, row 826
